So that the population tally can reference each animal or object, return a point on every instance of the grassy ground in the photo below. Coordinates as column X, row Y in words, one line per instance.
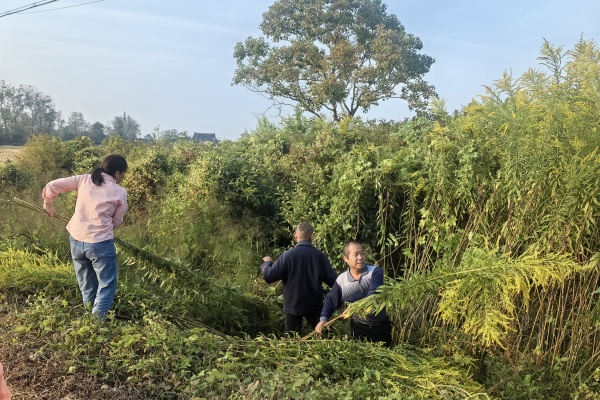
column 9, row 152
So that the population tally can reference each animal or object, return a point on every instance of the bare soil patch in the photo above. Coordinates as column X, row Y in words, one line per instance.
column 36, row 371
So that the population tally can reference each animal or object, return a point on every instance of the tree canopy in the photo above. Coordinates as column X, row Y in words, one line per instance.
column 125, row 126
column 76, row 127
column 24, row 111
column 337, row 56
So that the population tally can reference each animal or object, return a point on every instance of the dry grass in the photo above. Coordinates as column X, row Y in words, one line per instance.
column 9, row 152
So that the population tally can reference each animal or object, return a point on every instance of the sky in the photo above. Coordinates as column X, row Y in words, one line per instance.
column 169, row 64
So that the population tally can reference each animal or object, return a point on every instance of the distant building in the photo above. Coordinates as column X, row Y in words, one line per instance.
column 204, row 137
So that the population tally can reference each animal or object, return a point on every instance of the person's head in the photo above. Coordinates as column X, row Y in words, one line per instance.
column 304, row 231
column 113, row 165
column 354, row 255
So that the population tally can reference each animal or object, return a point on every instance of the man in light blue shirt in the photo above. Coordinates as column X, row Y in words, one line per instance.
column 359, row 281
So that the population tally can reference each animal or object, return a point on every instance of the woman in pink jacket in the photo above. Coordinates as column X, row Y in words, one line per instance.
column 101, row 205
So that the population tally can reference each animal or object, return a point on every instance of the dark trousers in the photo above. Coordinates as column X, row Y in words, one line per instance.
column 372, row 333
column 293, row 323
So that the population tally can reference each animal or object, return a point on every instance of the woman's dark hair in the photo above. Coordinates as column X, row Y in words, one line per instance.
column 110, row 165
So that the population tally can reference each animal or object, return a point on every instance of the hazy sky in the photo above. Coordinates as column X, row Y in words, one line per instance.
column 169, row 63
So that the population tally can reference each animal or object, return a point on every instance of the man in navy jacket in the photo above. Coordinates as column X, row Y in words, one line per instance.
column 302, row 269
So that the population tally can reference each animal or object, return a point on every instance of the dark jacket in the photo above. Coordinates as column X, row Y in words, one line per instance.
column 302, row 270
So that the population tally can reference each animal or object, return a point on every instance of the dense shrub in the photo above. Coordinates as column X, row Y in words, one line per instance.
column 45, row 157
column 87, row 159
column 146, row 176
column 14, row 178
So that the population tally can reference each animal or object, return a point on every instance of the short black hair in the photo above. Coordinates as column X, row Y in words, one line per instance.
column 304, row 230
column 347, row 245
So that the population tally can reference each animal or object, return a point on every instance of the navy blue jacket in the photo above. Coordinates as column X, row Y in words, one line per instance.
column 302, row 270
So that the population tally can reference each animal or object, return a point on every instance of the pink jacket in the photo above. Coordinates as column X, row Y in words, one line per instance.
column 99, row 209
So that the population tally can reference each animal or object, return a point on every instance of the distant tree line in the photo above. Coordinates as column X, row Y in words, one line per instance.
column 26, row 112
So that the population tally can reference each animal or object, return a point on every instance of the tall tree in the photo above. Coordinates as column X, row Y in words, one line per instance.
column 169, row 135
column 25, row 111
column 125, row 126
column 340, row 56
column 40, row 113
column 76, row 127
column 97, row 134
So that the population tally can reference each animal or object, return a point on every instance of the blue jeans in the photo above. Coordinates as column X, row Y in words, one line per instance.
column 96, row 271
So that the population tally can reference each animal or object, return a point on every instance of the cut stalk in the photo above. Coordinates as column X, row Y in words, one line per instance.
column 134, row 249
column 327, row 325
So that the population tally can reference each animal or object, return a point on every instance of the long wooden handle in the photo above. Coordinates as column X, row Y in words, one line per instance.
column 327, row 325
column 123, row 243
column 37, row 208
